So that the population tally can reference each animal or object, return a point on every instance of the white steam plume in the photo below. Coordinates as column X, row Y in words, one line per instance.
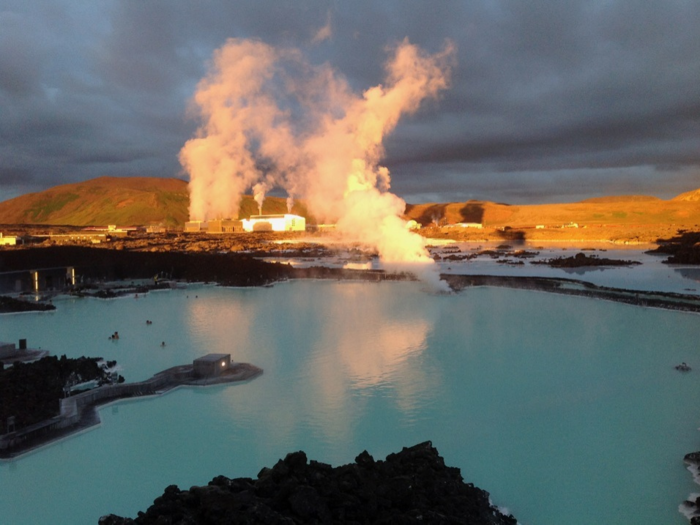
column 259, row 191
column 316, row 138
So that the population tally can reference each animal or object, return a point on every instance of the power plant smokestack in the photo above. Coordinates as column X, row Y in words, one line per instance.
column 259, row 191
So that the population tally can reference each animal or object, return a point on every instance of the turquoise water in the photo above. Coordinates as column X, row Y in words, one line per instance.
column 567, row 410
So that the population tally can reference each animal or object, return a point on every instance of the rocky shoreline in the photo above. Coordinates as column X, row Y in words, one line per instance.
column 12, row 305
column 665, row 300
column 691, row 507
column 99, row 266
column 410, row 486
column 581, row 260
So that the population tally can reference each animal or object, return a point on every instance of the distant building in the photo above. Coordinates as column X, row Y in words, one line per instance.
column 82, row 236
column 113, row 230
column 225, row 226
column 7, row 241
column 211, row 365
column 476, row 225
column 196, row 226
column 275, row 223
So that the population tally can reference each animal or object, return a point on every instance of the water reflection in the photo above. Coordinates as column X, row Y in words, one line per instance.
column 586, row 269
column 339, row 349
column 689, row 273
column 207, row 317
column 366, row 346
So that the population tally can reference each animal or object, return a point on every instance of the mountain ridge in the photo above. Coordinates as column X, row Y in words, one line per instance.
column 151, row 200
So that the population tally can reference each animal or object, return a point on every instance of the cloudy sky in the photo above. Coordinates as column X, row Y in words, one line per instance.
column 549, row 102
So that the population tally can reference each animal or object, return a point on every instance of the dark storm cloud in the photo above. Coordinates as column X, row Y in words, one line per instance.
column 549, row 100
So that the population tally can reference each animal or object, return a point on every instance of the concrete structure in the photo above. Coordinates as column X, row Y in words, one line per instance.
column 211, row 365
column 195, row 226
column 7, row 241
column 225, row 226
column 92, row 236
column 9, row 353
column 79, row 412
column 39, row 280
column 476, row 225
column 7, row 350
column 275, row 223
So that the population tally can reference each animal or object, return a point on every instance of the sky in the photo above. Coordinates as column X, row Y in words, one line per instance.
column 548, row 101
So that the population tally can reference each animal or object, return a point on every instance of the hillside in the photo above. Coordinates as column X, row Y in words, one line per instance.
column 635, row 210
column 118, row 200
column 693, row 196
column 105, row 200
column 141, row 201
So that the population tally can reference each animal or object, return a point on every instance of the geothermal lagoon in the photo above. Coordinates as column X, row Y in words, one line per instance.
column 566, row 409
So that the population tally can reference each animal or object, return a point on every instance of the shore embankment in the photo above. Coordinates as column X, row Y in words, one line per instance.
column 79, row 412
column 99, row 266
column 665, row 300
column 12, row 305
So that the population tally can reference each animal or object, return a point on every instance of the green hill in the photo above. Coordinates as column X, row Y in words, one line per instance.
column 105, row 200
column 123, row 201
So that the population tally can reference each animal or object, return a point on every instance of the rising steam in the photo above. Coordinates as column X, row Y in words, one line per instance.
column 271, row 119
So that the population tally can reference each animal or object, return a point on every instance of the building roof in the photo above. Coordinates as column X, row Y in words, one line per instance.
column 212, row 358
column 278, row 216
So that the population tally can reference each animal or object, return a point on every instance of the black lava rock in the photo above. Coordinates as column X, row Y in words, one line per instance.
column 411, row 486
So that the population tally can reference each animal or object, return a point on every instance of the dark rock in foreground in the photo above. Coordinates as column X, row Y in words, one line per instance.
column 691, row 507
column 411, row 486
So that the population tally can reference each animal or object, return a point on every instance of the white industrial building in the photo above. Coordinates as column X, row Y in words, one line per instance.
column 225, row 226
column 196, row 226
column 275, row 223
column 8, row 241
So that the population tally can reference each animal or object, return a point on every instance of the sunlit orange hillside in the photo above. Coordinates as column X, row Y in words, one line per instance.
column 144, row 200
column 620, row 210
column 118, row 200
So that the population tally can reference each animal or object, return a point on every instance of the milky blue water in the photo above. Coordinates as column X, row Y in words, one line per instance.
column 567, row 410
